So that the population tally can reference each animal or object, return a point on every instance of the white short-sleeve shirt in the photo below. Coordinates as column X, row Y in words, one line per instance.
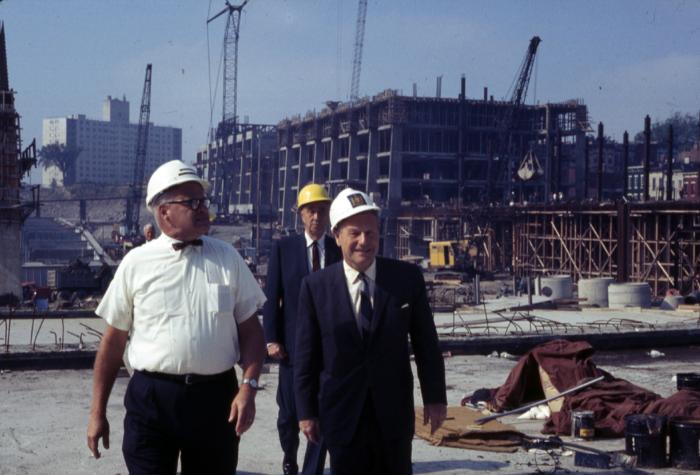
column 182, row 307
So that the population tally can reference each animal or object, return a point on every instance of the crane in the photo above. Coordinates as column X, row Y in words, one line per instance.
column 508, row 121
column 133, row 203
column 228, row 125
column 357, row 56
column 230, row 84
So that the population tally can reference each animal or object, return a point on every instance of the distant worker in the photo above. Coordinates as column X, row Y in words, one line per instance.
column 190, row 304
column 293, row 258
column 353, row 382
column 149, row 232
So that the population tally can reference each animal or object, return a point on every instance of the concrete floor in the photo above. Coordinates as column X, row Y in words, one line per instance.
column 43, row 417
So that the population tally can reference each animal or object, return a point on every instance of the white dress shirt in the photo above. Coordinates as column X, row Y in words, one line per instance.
column 321, row 251
column 182, row 307
column 354, row 283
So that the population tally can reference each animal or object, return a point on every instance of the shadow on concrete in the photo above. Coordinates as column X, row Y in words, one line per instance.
column 466, row 464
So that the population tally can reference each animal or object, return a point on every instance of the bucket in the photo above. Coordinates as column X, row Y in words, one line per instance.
column 583, row 425
column 688, row 381
column 645, row 438
column 685, row 441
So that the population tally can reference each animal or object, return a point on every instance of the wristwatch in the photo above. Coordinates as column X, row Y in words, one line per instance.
column 252, row 382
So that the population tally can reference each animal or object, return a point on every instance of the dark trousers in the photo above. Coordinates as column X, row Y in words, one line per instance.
column 166, row 419
column 370, row 452
column 288, row 427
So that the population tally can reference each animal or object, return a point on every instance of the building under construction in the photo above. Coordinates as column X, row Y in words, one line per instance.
column 14, row 163
column 433, row 152
column 240, row 168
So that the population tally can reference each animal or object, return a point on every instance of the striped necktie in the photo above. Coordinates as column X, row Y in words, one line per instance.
column 365, row 307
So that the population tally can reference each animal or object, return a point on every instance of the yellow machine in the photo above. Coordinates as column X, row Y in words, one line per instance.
column 452, row 254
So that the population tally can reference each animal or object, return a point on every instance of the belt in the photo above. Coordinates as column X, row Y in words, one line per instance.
column 190, row 378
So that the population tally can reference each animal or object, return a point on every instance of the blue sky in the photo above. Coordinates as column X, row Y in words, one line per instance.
column 624, row 58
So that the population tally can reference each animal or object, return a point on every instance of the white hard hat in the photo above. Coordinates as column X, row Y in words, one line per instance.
column 171, row 174
column 348, row 203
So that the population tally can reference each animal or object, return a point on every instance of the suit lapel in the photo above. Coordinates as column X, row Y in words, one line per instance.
column 304, row 261
column 381, row 296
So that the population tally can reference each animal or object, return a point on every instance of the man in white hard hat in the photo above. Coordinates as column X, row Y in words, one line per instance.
column 188, row 303
column 292, row 259
column 352, row 375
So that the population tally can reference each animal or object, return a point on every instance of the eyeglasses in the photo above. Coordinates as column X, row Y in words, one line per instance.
column 192, row 203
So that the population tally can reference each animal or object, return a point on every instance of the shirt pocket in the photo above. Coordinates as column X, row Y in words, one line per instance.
column 220, row 298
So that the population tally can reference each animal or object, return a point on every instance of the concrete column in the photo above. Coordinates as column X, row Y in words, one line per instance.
column 286, row 187
column 353, row 165
column 316, row 175
column 395, row 166
column 371, row 184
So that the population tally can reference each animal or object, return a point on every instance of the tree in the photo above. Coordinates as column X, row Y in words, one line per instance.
column 63, row 157
column 685, row 131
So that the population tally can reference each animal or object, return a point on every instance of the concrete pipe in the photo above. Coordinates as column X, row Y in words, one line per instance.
column 595, row 291
column 556, row 287
column 629, row 294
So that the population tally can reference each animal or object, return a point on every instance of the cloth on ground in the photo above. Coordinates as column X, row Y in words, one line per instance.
column 460, row 431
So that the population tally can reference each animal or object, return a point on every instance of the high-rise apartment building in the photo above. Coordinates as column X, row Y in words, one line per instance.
column 108, row 146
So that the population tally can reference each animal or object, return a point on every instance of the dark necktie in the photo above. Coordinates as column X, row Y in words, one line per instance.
column 315, row 257
column 179, row 246
column 365, row 307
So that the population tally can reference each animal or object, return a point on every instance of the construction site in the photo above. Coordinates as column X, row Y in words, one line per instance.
column 533, row 229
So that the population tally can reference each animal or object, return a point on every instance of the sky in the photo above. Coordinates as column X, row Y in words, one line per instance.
column 623, row 58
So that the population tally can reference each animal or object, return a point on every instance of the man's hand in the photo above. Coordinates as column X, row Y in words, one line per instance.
column 435, row 414
column 311, row 430
column 98, row 427
column 107, row 364
column 276, row 351
column 243, row 409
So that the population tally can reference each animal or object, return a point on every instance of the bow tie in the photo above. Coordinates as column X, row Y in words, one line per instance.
column 179, row 246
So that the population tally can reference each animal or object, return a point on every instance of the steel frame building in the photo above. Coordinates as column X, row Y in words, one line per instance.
column 429, row 152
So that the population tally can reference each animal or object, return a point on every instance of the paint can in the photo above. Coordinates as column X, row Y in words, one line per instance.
column 689, row 381
column 645, row 438
column 685, row 443
column 583, row 425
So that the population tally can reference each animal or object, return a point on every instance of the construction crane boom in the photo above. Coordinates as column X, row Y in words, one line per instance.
column 134, row 202
column 357, row 56
column 508, row 122
column 230, row 83
column 520, row 90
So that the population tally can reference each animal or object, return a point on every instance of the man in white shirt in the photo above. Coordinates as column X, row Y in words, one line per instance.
column 189, row 303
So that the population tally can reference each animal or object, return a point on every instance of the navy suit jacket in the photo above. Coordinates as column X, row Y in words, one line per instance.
column 335, row 371
column 287, row 266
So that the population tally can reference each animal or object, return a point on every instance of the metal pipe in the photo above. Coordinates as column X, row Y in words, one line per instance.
column 585, row 167
column 625, row 162
column 601, row 143
column 669, row 165
column 477, row 289
column 524, row 408
column 647, row 155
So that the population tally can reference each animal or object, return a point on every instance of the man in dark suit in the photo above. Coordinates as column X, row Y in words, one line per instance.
column 353, row 382
column 292, row 259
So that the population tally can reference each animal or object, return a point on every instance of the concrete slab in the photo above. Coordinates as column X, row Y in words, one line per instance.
column 43, row 418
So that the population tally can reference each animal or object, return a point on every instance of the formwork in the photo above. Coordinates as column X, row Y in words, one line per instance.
column 657, row 242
